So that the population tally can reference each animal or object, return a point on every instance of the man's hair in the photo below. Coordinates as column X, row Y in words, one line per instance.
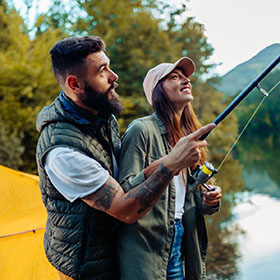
column 68, row 56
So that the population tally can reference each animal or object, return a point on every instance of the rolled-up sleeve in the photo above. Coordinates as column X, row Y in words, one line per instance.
column 74, row 174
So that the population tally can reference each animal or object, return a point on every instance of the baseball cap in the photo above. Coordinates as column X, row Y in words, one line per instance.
column 155, row 74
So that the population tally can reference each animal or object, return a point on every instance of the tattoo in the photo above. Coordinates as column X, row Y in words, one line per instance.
column 152, row 188
column 105, row 196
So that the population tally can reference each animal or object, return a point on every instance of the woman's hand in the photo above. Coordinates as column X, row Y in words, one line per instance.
column 186, row 152
column 212, row 198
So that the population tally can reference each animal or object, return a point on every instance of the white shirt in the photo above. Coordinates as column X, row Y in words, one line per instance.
column 74, row 174
column 180, row 187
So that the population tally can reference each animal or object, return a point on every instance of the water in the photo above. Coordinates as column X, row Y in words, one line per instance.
column 259, row 246
column 258, row 213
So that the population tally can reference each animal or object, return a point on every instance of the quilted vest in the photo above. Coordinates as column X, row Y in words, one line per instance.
column 79, row 240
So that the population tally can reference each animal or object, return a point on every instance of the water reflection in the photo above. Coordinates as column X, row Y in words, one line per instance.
column 260, row 182
column 260, row 244
column 248, row 246
column 223, row 250
column 244, row 238
column 259, row 156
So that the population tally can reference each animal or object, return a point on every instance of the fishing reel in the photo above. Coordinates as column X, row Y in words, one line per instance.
column 200, row 175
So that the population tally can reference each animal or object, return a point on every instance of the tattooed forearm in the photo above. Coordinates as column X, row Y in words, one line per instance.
column 105, row 196
column 149, row 191
column 130, row 206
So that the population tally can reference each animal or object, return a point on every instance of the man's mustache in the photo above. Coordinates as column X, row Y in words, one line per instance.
column 113, row 86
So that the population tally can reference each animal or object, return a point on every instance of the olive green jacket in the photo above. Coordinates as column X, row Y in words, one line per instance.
column 144, row 246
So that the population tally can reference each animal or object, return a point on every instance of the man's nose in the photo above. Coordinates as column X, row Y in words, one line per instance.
column 113, row 77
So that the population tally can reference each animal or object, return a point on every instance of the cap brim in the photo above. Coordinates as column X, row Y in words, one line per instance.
column 184, row 63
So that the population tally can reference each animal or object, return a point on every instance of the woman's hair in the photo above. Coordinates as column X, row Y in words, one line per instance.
column 165, row 111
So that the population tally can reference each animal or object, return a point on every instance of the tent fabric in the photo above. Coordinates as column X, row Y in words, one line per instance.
column 22, row 224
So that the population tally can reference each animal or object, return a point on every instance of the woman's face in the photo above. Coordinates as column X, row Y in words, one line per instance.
column 178, row 89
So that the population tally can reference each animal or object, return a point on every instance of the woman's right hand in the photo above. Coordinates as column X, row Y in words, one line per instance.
column 186, row 152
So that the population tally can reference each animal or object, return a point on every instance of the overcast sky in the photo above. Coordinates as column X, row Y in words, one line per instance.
column 237, row 29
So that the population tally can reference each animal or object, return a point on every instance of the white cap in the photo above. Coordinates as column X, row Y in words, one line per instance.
column 155, row 74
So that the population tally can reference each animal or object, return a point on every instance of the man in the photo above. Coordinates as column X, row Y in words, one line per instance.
column 77, row 156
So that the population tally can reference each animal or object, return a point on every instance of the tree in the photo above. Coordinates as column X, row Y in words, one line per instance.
column 10, row 136
column 26, row 84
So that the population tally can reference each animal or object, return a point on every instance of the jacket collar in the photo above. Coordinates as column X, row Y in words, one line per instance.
column 162, row 127
column 73, row 109
column 82, row 116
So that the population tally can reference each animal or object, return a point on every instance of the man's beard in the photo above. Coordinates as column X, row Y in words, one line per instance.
column 101, row 102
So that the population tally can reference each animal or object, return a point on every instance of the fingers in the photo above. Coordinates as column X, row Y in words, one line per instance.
column 215, row 193
column 203, row 130
column 187, row 151
column 213, row 197
column 216, row 190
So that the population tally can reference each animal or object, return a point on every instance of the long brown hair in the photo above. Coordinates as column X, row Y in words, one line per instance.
column 166, row 113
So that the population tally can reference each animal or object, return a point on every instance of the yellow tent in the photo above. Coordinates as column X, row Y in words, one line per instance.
column 22, row 223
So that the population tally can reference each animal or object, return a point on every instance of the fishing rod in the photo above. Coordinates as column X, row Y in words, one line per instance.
column 243, row 94
column 201, row 174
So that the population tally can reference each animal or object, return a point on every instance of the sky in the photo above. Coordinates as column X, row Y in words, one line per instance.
column 237, row 29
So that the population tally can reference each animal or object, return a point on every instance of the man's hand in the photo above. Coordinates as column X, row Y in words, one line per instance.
column 212, row 198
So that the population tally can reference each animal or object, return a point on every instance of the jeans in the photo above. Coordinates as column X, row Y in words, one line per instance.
column 175, row 269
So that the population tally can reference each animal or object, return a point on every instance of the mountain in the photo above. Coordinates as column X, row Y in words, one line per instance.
column 239, row 77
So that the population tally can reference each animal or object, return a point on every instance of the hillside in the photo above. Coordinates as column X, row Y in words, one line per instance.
column 239, row 77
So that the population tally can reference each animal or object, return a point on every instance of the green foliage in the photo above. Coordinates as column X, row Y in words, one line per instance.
column 209, row 103
column 11, row 148
column 267, row 120
column 223, row 252
column 191, row 41
column 259, row 145
column 26, row 84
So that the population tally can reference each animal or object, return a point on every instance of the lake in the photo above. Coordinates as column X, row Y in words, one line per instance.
column 259, row 246
column 258, row 213
column 245, row 235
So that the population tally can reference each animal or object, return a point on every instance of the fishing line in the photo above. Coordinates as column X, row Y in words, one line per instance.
column 246, row 125
column 201, row 174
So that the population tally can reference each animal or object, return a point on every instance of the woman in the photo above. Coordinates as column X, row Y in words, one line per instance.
column 150, row 249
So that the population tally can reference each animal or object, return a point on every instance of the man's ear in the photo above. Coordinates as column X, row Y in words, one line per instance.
column 74, row 83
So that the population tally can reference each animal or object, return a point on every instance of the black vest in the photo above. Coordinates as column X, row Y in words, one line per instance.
column 79, row 241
